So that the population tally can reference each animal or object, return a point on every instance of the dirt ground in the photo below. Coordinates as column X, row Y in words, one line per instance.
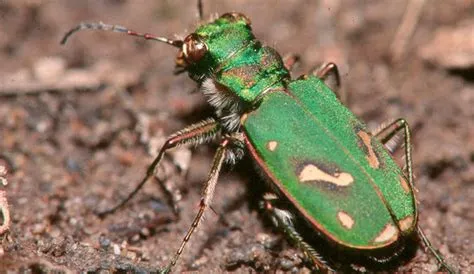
column 79, row 124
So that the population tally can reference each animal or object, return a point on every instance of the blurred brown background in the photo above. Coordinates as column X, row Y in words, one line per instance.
column 78, row 124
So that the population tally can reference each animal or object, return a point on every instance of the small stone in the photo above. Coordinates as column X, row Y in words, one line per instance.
column 104, row 242
column 3, row 170
column 131, row 255
column 49, row 69
column 135, row 238
column 116, row 248
column 145, row 232
column 38, row 228
column 73, row 221
column 145, row 256
column 266, row 240
column 286, row 264
column 262, row 238
column 199, row 262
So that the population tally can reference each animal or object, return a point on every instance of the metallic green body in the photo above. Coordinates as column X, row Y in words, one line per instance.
column 310, row 127
column 293, row 125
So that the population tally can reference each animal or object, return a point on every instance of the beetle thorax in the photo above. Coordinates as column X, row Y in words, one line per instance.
column 231, row 66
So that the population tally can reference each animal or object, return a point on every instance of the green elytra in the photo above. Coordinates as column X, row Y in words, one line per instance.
column 353, row 211
column 316, row 154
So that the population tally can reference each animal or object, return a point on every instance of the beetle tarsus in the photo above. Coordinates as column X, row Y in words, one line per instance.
column 427, row 243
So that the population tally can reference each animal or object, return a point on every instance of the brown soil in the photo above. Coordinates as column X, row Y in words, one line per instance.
column 77, row 142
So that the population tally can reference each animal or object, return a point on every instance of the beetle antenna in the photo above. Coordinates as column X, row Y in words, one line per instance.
column 200, row 10
column 117, row 28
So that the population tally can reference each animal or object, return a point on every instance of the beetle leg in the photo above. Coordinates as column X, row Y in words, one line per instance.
column 393, row 142
column 207, row 194
column 434, row 251
column 196, row 134
column 329, row 73
column 389, row 133
column 388, row 136
column 283, row 220
column 290, row 61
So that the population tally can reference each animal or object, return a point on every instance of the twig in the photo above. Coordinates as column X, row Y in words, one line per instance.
column 406, row 29
column 67, row 83
column 103, row 73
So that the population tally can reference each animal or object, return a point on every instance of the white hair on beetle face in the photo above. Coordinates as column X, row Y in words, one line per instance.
column 228, row 106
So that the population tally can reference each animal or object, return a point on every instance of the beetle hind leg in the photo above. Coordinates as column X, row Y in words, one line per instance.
column 439, row 257
column 283, row 220
column 389, row 136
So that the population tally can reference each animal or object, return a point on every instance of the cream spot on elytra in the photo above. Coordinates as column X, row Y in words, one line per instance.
column 406, row 223
column 405, row 185
column 272, row 145
column 311, row 172
column 346, row 220
column 371, row 156
column 388, row 233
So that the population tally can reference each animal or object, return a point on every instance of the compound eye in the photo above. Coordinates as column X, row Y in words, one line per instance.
column 235, row 16
column 193, row 48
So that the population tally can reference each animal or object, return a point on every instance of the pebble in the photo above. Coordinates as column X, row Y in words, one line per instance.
column 49, row 69
column 116, row 248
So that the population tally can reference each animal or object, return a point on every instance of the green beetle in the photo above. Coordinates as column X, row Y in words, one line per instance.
column 331, row 171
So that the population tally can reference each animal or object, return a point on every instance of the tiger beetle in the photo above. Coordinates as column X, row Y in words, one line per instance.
column 324, row 167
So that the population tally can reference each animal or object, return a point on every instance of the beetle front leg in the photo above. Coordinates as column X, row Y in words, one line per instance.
column 207, row 194
column 283, row 220
column 196, row 134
